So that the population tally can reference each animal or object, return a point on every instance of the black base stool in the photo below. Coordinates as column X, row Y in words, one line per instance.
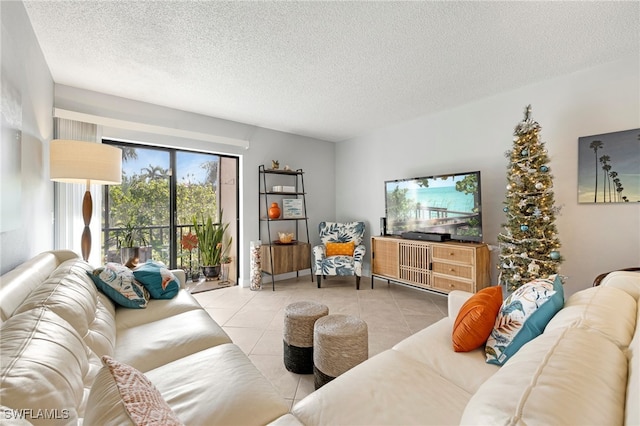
column 299, row 319
column 340, row 343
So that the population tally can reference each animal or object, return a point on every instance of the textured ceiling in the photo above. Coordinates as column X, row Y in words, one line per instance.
column 331, row 70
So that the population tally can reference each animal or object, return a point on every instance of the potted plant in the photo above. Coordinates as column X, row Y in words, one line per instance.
column 133, row 245
column 211, row 244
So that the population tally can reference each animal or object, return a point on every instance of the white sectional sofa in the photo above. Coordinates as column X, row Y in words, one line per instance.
column 584, row 369
column 56, row 327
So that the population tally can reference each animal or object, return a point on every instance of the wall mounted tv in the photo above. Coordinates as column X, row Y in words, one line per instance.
column 449, row 204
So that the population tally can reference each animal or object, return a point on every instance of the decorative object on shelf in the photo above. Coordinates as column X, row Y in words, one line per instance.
column 530, row 235
column 608, row 167
column 134, row 248
column 255, row 268
column 211, row 244
column 89, row 163
column 275, row 164
column 287, row 168
column 293, row 208
column 285, row 237
column 274, row 211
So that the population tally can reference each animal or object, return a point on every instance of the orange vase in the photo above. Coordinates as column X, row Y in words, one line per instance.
column 274, row 211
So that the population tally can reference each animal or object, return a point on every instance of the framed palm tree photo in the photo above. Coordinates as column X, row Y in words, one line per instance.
column 609, row 167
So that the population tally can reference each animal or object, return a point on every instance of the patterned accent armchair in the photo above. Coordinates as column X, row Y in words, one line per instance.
column 333, row 232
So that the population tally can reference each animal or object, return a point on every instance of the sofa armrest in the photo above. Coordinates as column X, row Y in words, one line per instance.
column 455, row 301
column 181, row 276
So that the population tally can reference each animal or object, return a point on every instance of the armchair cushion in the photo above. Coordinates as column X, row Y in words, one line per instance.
column 340, row 249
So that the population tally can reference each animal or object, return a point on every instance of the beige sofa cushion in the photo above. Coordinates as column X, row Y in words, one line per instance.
column 43, row 363
column 566, row 376
column 388, row 389
column 69, row 295
column 153, row 344
column 432, row 347
column 632, row 412
column 605, row 310
column 218, row 386
column 624, row 280
column 156, row 309
column 16, row 284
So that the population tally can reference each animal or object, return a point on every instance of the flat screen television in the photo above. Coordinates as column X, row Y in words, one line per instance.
column 448, row 204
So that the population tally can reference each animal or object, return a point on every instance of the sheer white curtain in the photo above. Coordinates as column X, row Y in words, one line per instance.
column 68, row 223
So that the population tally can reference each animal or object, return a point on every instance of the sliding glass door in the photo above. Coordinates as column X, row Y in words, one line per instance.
column 162, row 191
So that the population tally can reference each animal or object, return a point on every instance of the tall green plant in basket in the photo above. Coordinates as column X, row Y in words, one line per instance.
column 211, row 243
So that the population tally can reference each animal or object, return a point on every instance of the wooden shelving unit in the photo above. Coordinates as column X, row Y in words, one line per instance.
column 282, row 258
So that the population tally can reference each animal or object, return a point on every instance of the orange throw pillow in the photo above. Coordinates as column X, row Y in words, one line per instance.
column 340, row 249
column 476, row 319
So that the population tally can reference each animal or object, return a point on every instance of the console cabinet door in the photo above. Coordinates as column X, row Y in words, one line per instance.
column 385, row 257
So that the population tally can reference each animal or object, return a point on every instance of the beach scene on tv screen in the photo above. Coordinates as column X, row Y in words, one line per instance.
column 443, row 204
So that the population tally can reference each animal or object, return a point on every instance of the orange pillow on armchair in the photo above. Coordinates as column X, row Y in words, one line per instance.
column 340, row 249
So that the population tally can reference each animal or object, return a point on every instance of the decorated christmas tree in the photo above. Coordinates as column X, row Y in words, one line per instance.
column 529, row 245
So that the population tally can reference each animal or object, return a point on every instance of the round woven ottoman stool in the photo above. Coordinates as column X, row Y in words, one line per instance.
column 340, row 343
column 299, row 318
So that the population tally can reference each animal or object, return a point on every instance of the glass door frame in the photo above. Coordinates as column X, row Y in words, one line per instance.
column 173, row 214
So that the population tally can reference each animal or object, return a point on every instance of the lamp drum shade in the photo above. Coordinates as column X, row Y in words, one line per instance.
column 78, row 162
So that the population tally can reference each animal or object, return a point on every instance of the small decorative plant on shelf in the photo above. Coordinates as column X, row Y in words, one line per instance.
column 133, row 245
column 211, row 244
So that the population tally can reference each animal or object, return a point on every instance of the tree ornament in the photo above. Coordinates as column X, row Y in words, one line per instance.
column 544, row 169
column 554, row 255
column 509, row 187
column 505, row 209
column 524, row 255
column 524, row 152
column 524, row 228
column 539, row 185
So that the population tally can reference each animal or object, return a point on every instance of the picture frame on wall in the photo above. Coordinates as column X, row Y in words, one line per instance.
column 609, row 168
column 292, row 208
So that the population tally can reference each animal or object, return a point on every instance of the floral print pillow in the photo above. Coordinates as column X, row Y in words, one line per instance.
column 119, row 284
column 523, row 316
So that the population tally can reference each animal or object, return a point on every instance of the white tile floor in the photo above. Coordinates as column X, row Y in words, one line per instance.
column 255, row 319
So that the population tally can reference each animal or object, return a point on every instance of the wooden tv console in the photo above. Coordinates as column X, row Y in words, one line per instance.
column 428, row 265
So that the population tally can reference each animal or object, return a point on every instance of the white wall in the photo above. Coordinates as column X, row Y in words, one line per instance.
column 27, row 91
column 315, row 157
column 475, row 136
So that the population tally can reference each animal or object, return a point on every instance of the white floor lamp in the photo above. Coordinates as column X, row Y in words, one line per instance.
column 85, row 162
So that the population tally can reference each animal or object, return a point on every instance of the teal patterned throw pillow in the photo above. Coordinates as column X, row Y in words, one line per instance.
column 158, row 279
column 119, row 284
column 523, row 316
